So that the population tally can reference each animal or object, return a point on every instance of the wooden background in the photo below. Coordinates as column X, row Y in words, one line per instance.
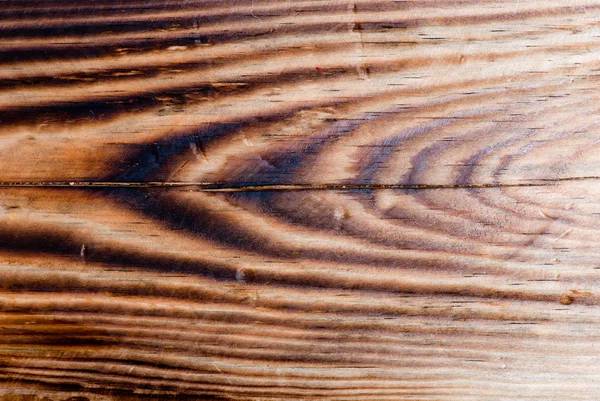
column 278, row 200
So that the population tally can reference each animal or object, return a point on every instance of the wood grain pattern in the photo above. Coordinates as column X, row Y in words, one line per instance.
column 337, row 200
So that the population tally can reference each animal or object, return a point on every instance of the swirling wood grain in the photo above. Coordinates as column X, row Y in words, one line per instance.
column 337, row 200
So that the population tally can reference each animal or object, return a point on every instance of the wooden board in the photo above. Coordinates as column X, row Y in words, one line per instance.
column 279, row 200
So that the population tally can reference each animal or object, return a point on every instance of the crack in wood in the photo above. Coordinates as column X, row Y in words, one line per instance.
column 220, row 187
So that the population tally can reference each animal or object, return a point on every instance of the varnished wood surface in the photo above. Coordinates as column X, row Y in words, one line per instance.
column 280, row 200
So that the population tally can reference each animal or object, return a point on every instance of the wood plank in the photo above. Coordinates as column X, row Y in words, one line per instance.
column 338, row 200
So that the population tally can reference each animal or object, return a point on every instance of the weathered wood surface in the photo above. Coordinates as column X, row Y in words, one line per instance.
column 257, row 200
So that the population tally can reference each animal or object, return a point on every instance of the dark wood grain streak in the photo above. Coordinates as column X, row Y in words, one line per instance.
column 298, row 200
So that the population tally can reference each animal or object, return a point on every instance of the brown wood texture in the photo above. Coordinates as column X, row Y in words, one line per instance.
column 298, row 200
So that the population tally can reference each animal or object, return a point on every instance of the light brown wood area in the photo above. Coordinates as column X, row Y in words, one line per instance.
column 299, row 200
